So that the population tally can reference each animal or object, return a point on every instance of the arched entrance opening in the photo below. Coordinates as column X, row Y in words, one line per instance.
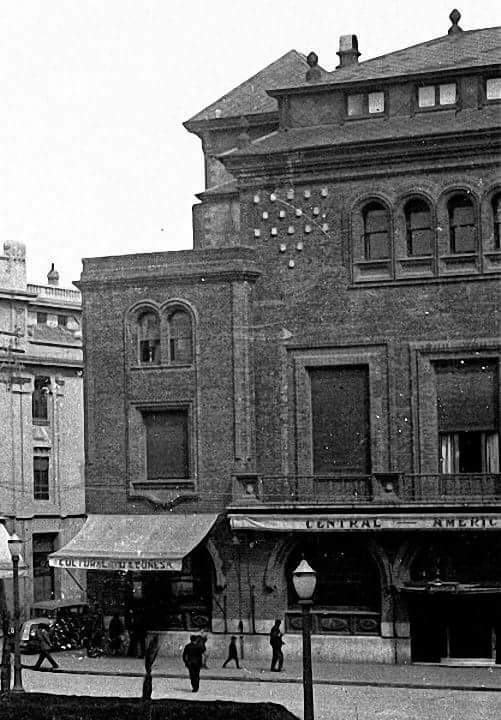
column 454, row 596
column 347, row 598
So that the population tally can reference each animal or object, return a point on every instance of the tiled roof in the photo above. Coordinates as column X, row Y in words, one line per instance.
column 251, row 97
column 471, row 48
column 373, row 129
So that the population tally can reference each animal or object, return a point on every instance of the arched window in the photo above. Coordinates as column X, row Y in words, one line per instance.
column 418, row 222
column 148, row 338
column 496, row 216
column 462, row 229
column 180, row 336
column 376, row 231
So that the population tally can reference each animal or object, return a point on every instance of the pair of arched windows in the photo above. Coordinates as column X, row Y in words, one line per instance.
column 166, row 340
column 377, row 229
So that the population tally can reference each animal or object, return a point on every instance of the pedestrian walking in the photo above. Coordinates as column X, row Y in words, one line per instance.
column 45, row 645
column 276, row 643
column 232, row 652
column 192, row 658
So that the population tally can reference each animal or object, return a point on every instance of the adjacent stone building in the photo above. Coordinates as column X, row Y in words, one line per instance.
column 41, row 425
column 320, row 375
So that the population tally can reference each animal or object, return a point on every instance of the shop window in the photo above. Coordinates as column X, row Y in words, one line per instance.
column 340, row 420
column 180, row 337
column 148, row 338
column 462, row 230
column 418, row 221
column 365, row 104
column 43, row 574
column 432, row 96
column 39, row 399
column 40, row 477
column 167, row 455
column 496, row 217
column 468, row 418
column 493, row 88
column 376, row 222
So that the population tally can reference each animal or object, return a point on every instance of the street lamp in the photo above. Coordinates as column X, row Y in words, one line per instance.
column 304, row 579
column 15, row 548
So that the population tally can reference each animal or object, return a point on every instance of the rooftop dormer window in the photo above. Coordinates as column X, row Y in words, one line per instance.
column 493, row 88
column 433, row 96
column 365, row 104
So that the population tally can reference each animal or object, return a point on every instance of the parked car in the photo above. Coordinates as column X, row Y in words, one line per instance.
column 66, row 621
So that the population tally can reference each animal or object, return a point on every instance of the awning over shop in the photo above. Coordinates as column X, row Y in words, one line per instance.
column 5, row 556
column 140, row 543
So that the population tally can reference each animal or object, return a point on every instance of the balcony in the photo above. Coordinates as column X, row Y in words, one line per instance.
column 387, row 489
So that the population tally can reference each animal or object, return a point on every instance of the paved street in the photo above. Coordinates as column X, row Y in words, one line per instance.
column 430, row 694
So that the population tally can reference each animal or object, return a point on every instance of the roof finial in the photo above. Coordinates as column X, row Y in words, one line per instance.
column 243, row 139
column 314, row 72
column 455, row 17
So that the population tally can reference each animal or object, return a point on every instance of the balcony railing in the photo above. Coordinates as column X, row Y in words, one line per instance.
column 375, row 489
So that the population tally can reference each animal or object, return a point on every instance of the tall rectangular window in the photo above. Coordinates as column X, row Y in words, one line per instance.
column 340, row 420
column 468, row 416
column 43, row 574
column 167, row 454
column 41, row 477
column 39, row 404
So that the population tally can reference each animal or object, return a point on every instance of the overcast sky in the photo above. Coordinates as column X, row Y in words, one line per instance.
column 94, row 158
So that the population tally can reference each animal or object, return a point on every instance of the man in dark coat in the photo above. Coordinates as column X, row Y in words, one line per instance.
column 192, row 658
column 276, row 643
column 45, row 645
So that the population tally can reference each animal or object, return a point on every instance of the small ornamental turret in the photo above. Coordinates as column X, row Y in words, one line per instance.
column 313, row 73
column 53, row 276
column 243, row 139
column 455, row 17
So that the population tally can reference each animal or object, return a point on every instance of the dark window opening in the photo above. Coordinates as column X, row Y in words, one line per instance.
column 376, row 232
column 62, row 320
column 43, row 574
column 340, row 420
column 149, row 338
column 41, row 318
column 180, row 337
column 39, row 399
column 418, row 221
column 40, row 477
column 462, row 225
column 167, row 455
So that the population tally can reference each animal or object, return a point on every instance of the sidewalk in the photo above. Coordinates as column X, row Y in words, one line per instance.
column 375, row 675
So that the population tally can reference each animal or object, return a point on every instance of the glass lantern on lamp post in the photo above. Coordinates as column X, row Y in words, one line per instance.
column 304, row 579
column 15, row 547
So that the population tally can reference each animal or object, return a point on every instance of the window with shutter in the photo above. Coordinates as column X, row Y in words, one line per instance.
column 167, row 455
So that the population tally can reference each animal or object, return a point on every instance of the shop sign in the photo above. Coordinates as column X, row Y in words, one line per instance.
column 132, row 564
column 353, row 522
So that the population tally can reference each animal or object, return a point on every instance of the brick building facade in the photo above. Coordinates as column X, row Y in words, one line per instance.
column 322, row 370
column 42, row 496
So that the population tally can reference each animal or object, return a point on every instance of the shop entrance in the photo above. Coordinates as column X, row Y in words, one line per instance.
column 453, row 628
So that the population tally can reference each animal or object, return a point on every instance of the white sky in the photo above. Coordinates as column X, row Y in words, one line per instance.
column 94, row 158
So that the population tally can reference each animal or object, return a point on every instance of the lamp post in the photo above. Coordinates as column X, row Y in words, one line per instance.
column 304, row 579
column 15, row 547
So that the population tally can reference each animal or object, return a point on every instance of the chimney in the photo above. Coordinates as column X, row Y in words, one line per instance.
column 348, row 51
column 53, row 276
